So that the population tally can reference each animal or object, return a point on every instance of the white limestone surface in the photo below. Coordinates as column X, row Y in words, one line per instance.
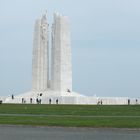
column 68, row 98
column 40, row 61
column 61, row 67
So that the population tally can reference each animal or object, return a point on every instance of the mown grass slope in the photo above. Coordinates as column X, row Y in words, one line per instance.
column 71, row 115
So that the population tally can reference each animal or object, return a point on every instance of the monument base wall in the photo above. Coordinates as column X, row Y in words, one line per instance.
column 51, row 97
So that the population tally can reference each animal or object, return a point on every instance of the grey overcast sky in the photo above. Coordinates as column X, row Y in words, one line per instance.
column 105, row 38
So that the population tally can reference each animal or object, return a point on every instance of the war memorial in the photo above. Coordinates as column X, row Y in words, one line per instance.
column 52, row 69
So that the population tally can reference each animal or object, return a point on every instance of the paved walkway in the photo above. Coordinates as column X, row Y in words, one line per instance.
column 44, row 115
column 11, row 132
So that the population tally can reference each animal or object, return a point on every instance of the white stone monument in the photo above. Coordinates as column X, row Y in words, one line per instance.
column 40, row 61
column 52, row 83
column 61, row 69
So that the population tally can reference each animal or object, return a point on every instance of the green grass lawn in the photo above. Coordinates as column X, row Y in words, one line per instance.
column 72, row 115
